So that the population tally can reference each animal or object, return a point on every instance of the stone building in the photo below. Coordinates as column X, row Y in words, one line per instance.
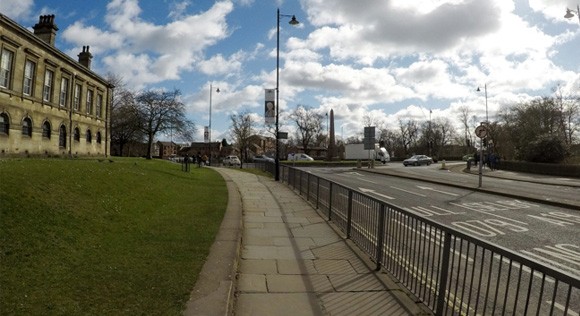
column 50, row 104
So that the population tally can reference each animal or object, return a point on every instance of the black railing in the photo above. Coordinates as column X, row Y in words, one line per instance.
column 450, row 272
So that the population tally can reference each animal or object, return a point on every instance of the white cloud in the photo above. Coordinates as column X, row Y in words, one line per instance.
column 145, row 53
column 16, row 9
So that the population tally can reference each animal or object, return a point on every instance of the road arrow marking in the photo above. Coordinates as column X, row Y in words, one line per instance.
column 375, row 193
column 411, row 192
column 429, row 188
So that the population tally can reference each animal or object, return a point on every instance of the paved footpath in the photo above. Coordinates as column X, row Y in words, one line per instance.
column 292, row 262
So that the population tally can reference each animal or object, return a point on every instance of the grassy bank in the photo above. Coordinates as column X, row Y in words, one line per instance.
column 91, row 237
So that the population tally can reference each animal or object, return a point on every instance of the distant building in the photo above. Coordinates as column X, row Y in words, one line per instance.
column 50, row 104
column 167, row 149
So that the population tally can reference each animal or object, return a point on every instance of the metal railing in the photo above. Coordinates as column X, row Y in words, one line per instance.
column 450, row 272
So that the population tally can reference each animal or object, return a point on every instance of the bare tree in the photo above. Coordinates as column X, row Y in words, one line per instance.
column 309, row 125
column 241, row 130
column 465, row 116
column 161, row 111
column 409, row 133
column 368, row 121
column 570, row 115
column 125, row 120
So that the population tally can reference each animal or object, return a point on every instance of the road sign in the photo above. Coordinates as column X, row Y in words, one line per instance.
column 282, row 135
column 369, row 132
column 481, row 131
column 369, row 139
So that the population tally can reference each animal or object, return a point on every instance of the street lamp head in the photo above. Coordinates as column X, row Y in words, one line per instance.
column 569, row 14
column 293, row 21
column 478, row 90
column 217, row 90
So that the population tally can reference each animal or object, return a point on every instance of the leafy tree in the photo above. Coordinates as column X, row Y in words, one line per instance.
column 546, row 148
column 160, row 111
column 534, row 122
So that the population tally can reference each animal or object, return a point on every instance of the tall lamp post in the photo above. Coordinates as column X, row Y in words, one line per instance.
column 293, row 21
column 481, row 139
column 209, row 128
column 570, row 13
column 486, row 116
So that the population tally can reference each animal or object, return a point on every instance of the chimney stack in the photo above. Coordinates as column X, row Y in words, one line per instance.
column 45, row 29
column 85, row 57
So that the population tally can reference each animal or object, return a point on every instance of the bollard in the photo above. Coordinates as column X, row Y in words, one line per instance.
column 358, row 164
column 443, row 164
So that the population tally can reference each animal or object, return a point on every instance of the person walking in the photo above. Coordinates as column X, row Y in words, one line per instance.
column 185, row 165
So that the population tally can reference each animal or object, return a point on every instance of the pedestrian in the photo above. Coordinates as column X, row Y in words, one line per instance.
column 204, row 159
column 185, row 166
column 198, row 159
column 491, row 161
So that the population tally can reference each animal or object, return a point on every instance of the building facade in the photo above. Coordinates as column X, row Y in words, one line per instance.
column 50, row 104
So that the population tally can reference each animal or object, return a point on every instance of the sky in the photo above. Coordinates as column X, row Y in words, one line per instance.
column 387, row 60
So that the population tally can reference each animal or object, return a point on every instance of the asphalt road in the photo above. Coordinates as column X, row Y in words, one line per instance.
column 547, row 233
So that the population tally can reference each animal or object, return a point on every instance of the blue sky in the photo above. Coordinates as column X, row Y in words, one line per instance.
column 383, row 60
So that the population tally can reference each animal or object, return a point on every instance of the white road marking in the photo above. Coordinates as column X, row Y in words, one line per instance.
column 411, row 192
column 364, row 190
column 431, row 189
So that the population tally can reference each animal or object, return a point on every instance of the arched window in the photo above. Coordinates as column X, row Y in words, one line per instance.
column 27, row 127
column 89, row 136
column 4, row 124
column 77, row 134
column 62, row 136
column 98, row 137
column 46, row 129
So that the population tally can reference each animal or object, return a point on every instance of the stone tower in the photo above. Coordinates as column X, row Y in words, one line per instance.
column 331, row 152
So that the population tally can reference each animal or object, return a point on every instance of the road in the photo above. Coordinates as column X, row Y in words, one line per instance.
column 544, row 232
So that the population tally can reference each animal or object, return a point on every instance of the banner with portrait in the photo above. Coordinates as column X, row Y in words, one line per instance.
column 270, row 107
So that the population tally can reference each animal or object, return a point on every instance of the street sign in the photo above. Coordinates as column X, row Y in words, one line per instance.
column 282, row 135
column 369, row 139
column 369, row 132
column 481, row 131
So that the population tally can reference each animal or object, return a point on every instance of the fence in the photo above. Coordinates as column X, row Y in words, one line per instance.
column 451, row 272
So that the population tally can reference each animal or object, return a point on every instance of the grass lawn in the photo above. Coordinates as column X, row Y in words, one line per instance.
column 90, row 237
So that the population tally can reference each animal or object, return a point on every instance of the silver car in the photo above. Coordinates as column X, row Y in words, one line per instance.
column 418, row 160
column 232, row 161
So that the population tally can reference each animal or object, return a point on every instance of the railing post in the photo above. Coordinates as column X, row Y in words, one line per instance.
column 300, row 182
column 381, row 235
column 349, row 214
column 308, row 187
column 443, row 274
column 317, row 191
column 329, row 201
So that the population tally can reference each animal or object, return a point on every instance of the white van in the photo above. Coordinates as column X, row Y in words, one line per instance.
column 299, row 157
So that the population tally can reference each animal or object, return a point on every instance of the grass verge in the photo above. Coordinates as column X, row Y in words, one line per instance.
column 94, row 237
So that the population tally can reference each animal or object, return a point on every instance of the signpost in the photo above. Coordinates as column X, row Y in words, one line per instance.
column 369, row 142
column 481, row 132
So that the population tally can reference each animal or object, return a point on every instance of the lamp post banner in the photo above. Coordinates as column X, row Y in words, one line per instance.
column 206, row 134
column 270, row 106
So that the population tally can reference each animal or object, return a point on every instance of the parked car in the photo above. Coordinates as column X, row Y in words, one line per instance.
column 263, row 158
column 232, row 161
column 299, row 157
column 418, row 160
